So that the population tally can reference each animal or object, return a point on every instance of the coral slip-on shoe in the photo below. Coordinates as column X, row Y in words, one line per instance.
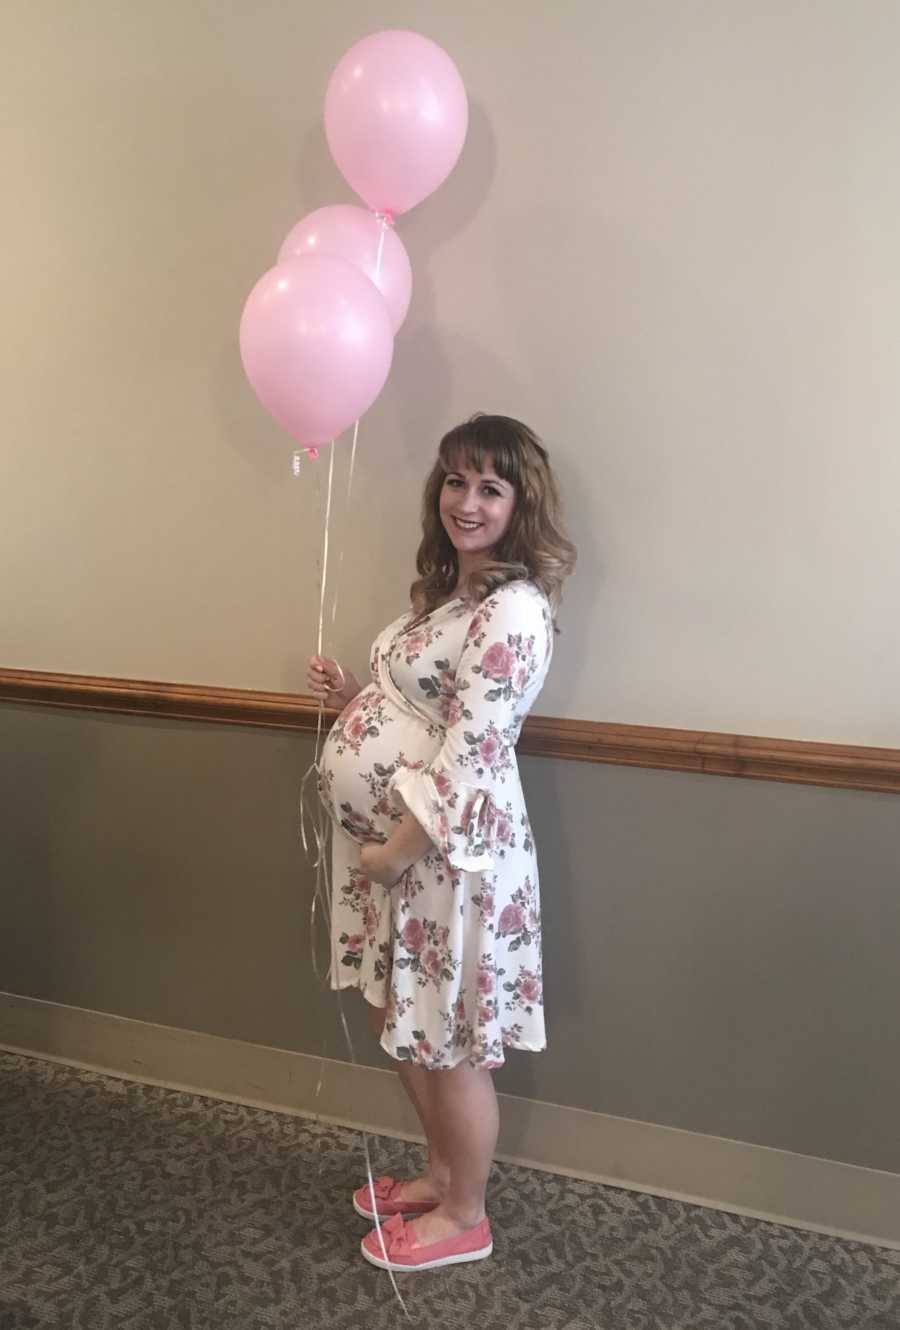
column 387, row 1198
column 404, row 1254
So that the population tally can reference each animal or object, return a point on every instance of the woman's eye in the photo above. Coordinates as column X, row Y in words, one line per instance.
column 488, row 489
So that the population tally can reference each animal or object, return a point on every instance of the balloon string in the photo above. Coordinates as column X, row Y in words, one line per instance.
column 337, row 585
column 384, row 223
column 318, row 833
column 384, row 226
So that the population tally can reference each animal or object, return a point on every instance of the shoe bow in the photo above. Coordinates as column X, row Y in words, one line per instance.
column 400, row 1239
column 384, row 1187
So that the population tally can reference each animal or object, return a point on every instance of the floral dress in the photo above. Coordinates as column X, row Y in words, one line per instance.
column 452, row 950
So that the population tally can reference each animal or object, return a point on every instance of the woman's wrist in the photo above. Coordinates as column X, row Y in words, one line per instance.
column 341, row 697
column 405, row 847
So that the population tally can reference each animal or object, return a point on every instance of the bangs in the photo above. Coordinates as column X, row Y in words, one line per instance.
column 468, row 447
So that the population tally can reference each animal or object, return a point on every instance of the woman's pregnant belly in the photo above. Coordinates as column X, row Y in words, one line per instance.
column 367, row 743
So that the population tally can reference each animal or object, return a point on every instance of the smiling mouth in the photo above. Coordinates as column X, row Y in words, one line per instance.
column 467, row 526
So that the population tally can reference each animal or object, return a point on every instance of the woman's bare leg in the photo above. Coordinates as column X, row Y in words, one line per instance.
column 434, row 1183
column 464, row 1120
column 459, row 1116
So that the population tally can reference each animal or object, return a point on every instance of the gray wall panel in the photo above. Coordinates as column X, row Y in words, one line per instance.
column 720, row 955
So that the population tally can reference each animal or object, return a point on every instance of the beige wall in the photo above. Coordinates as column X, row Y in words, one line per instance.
column 670, row 244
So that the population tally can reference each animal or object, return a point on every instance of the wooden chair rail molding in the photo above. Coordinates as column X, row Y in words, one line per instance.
column 797, row 761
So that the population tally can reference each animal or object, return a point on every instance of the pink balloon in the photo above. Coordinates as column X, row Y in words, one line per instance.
column 395, row 118
column 345, row 232
column 316, row 343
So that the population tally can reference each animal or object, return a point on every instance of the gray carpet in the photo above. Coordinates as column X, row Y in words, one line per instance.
column 129, row 1205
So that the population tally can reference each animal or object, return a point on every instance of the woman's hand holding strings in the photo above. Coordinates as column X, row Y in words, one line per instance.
column 330, row 684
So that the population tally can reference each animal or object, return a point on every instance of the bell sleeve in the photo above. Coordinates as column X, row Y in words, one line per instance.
column 456, row 797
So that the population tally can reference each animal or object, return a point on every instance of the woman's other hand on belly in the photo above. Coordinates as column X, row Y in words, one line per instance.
column 379, row 866
column 386, row 864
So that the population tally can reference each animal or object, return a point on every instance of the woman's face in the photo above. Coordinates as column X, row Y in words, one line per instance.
column 476, row 508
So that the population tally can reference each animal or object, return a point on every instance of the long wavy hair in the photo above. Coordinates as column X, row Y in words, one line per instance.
column 534, row 545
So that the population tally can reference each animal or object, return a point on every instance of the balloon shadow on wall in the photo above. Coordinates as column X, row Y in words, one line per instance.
column 433, row 366
column 440, row 378
column 456, row 203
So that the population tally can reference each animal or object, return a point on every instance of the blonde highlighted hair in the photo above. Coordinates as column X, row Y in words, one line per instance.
column 534, row 545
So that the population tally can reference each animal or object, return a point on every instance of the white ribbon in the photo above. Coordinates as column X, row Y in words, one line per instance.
column 314, row 826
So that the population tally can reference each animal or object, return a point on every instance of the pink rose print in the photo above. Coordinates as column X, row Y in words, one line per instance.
column 530, row 986
column 413, row 935
column 498, row 662
column 453, row 711
column 512, row 920
column 467, row 808
column 355, row 730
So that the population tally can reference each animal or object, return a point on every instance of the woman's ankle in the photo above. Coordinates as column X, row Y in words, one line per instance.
column 439, row 1175
column 466, row 1214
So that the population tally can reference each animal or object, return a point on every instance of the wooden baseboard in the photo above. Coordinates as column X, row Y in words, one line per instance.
column 795, row 761
column 800, row 1191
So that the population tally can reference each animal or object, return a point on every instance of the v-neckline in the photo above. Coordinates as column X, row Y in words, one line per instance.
column 422, row 617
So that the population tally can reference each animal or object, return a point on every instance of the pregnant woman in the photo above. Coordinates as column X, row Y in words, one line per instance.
column 436, row 910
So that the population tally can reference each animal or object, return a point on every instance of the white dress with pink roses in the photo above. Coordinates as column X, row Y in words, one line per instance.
column 453, row 950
